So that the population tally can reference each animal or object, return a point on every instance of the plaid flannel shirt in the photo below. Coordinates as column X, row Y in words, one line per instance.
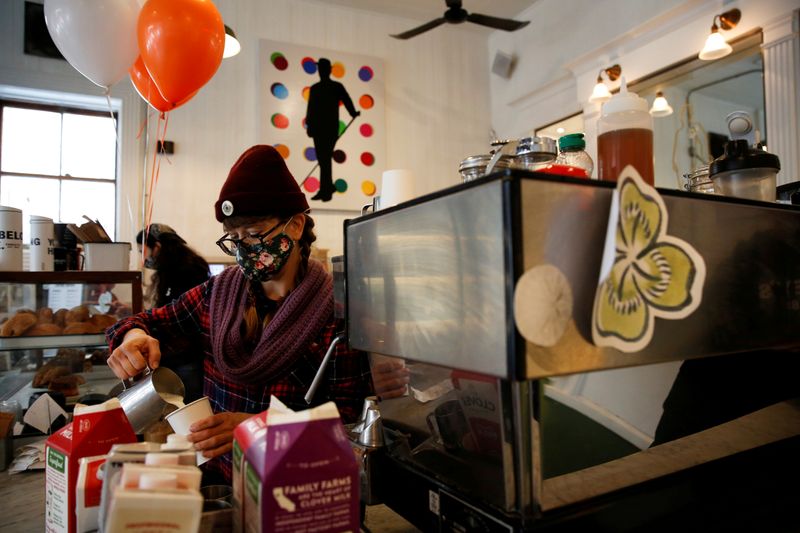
column 348, row 374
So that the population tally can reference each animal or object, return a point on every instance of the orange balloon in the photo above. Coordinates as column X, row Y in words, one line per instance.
column 147, row 89
column 181, row 43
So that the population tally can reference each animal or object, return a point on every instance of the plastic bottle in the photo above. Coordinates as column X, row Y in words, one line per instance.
column 625, row 136
column 572, row 153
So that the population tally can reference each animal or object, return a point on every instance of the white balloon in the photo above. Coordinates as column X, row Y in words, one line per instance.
column 97, row 37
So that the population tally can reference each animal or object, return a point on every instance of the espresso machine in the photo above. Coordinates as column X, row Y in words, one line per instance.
column 500, row 431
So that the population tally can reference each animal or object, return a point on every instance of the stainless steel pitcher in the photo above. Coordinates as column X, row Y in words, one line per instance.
column 145, row 401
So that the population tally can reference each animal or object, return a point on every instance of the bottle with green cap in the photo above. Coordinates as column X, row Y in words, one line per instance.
column 572, row 153
column 625, row 136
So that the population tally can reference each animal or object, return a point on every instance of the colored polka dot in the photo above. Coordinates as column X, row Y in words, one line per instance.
column 311, row 185
column 339, row 156
column 368, row 187
column 368, row 159
column 309, row 65
column 342, row 127
column 310, row 154
column 366, row 101
column 341, row 185
column 283, row 150
column 366, row 130
column 365, row 73
column 337, row 70
column 279, row 61
column 279, row 90
column 306, row 92
column 280, row 121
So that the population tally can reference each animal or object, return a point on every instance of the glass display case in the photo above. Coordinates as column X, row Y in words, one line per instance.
column 52, row 328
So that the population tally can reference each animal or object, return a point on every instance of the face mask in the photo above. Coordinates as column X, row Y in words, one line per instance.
column 262, row 261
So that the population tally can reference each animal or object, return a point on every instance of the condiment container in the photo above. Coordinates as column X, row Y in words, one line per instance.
column 625, row 136
column 534, row 153
column 698, row 181
column 745, row 172
column 474, row 167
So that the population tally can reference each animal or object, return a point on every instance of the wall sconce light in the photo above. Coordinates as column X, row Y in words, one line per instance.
column 232, row 46
column 715, row 46
column 661, row 107
column 600, row 93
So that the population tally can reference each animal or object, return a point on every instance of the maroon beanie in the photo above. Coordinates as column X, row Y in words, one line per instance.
column 260, row 184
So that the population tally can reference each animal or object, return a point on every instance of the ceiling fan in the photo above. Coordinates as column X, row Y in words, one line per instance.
column 455, row 14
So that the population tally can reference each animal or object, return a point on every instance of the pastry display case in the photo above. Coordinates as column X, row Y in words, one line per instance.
column 52, row 327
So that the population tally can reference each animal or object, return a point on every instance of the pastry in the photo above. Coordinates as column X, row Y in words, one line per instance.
column 60, row 317
column 103, row 321
column 78, row 314
column 67, row 385
column 45, row 315
column 47, row 373
column 18, row 324
column 73, row 328
column 43, row 329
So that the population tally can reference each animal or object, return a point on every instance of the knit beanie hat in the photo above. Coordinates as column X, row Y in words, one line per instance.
column 260, row 184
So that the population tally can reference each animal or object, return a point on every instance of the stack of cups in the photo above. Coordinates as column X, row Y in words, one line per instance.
column 42, row 242
column 10, row 239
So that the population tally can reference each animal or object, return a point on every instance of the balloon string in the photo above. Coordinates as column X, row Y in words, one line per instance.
column 111, row 112
column 148, row 208
column 144, row 123
column 157, row 167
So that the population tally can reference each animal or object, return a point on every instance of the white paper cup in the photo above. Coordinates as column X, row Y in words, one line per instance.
column 183, row 418
column 397, row 186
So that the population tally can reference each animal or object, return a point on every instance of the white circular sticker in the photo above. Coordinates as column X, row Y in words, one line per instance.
column 227, row 208
column 542, row 305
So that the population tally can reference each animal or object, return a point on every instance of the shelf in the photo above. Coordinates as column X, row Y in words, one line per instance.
column 52, row 341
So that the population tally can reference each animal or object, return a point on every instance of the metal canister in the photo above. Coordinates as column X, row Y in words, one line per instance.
column 535, row 152
column 699, row 181
column 475, row 166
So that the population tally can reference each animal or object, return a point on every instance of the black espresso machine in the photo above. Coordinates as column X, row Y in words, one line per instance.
column 527, row 409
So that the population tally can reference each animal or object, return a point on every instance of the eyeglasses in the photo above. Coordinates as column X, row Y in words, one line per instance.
column 230, row 245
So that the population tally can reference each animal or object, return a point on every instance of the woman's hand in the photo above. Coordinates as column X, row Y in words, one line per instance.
column 214, row 435
column 137, row 351
column 390, row 378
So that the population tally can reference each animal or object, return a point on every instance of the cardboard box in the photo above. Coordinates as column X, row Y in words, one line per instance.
column 303, row 477
column 93, row 431
column 88, row 491
column 244, row 436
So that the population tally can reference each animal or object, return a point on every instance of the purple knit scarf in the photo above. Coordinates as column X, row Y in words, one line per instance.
column 295, row 325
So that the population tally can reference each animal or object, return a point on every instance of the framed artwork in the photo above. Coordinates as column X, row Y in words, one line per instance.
column 297, row 83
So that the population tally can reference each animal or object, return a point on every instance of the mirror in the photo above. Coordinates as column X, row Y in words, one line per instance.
column 702, row 94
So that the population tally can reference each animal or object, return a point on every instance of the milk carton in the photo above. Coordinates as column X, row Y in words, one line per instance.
column 244, row 436
column 88, row 492
column 303, row 476
column 93, row 430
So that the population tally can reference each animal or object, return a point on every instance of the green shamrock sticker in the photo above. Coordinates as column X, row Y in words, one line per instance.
column 645, row 272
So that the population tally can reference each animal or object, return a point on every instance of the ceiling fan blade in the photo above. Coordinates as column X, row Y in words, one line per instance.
column 420, row 29
column 453, row 3
column 497, row 23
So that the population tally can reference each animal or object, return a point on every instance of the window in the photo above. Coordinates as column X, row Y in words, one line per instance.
column 58, row 162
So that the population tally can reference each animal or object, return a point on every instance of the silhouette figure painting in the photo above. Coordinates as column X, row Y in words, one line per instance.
column 322, row 124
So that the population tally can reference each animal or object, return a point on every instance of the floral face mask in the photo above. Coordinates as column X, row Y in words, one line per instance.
column 264, row 260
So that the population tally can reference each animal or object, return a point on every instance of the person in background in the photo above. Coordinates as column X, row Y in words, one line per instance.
column 264, row 326
column 176, row 269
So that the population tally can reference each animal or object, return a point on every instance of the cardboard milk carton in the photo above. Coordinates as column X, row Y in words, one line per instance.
column 93, row 430
column 244, row 436
column 303, row 476
column 88, row 490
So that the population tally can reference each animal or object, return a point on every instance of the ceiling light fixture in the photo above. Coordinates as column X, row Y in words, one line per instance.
column 232, row 46
column 715, row 46
column 661, row 107
column 600, row 93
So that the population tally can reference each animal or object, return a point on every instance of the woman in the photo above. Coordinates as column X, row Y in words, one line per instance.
column 177, row 268
column 265, row 325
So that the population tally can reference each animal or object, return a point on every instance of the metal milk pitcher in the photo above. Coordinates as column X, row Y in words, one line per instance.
column 144, row 402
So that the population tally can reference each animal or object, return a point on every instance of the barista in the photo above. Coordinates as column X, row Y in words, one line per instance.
column 266, row 325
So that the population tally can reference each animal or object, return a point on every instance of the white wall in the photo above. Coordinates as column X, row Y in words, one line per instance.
column 437, row 106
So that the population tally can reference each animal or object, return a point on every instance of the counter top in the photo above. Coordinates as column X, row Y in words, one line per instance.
column 22, row 508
